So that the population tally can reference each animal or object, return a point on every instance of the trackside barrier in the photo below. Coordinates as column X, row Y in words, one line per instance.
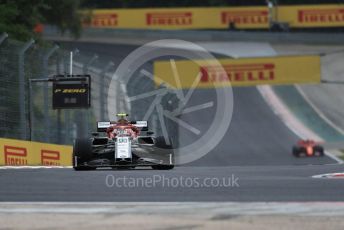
column 240, row 72
column 180, row 18
column 21, row 153
column 256, row 17
column 312, row 16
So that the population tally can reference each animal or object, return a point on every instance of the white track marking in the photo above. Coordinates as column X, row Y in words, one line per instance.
column 330, row 176
column 281, row 110
column 320, row 113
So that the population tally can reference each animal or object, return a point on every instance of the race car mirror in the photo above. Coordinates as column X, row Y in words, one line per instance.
column 71, row 92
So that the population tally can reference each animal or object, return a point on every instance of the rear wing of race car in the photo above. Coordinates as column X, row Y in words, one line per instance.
column 103, row 125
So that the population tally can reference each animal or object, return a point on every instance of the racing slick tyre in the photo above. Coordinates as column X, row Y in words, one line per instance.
column 82, row 152
column 162, row 167
column 161, row 143
column 296, row 151
column 319, row 150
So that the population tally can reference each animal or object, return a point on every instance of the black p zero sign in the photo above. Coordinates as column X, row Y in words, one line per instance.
column 72, row 92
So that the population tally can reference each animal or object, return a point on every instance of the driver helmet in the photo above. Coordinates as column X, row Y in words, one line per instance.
column 122, row 119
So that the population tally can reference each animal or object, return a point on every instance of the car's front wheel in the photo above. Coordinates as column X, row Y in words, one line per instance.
column 82, row 152
column 162, row 167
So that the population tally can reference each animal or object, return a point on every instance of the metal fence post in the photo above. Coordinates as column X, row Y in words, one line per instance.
column 67, row 127
column 83, row 126
column 60, row 130
column 102, row 89
column 87, row 64
column 45, row 92
column 22, row 90
column 118, row 95
column 3, row 37
column 67, row 113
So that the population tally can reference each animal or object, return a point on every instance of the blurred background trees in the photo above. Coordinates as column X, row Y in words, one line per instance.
column 23, row 19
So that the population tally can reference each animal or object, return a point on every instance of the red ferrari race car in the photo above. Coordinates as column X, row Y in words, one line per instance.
column 308, row 148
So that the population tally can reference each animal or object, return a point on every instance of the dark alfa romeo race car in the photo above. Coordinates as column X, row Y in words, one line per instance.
column 122, row 144
column 308, row 148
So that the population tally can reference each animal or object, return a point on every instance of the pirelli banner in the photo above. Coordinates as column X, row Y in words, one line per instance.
column 239, row 72
column 312, row 16
column 21, row 153
column 300, row 16
column 179, row 18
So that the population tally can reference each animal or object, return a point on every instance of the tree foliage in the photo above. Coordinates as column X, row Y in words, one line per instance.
column 64, row 14
column 19, row 17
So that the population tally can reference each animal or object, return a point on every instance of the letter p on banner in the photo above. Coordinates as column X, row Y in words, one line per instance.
column 15, row 155
column 18, row 153
column 50, row 157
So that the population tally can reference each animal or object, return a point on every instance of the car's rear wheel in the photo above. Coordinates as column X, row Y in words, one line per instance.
column 82, row 152
column 161, row 143
column 296, row 151
column 319, row 150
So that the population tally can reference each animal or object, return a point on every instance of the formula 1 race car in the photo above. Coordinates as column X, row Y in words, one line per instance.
column 122, row 144
column 308, row 148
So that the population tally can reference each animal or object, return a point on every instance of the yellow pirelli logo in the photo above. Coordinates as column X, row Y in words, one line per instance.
column 321, row 16
column 239, row 72
column 102, row 20
column 254, row 18
column 169, row 18
column 312, row 15
column 70, row 91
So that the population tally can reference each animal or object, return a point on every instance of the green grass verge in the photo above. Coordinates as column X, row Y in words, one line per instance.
column 342, row 156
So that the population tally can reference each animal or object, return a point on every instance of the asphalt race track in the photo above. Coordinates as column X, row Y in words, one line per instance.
column 256, row 136
column 255, row 154
column 254, row 183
